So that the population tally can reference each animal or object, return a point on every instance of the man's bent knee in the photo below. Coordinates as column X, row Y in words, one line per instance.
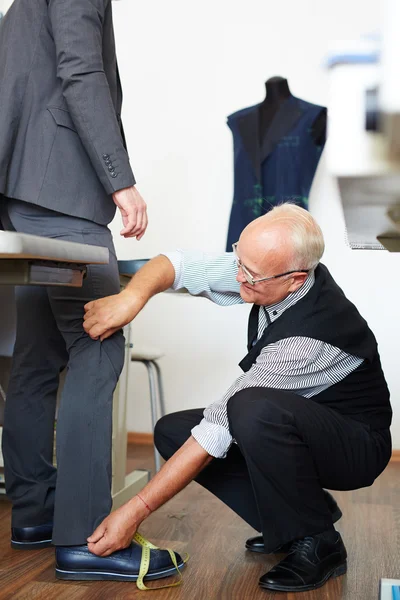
column 173, row 430
column 164, row 438
column 252, row 409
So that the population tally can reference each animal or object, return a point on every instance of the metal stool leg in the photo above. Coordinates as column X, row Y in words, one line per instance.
column 124, row 486
column 153, row 404
column 160, row 390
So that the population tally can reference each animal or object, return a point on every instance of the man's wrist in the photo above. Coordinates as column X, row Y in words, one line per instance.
column 135, row 299
column 139, row 509
column 124, row 189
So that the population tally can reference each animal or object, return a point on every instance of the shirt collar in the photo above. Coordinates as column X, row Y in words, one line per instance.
column 276, row 310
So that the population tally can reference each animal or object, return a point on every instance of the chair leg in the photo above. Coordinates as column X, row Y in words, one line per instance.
column 152, row 372
column 3, row 394
column 160, row 389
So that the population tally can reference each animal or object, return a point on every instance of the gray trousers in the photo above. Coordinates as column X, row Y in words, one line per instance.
column 50, row 337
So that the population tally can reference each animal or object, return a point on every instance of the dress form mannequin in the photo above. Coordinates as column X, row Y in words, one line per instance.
column 277, row 147
column 277, row 91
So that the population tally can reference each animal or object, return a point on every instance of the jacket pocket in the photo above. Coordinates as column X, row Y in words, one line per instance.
column 61, row 117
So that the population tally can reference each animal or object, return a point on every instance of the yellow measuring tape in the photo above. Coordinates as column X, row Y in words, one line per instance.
column 145, row 563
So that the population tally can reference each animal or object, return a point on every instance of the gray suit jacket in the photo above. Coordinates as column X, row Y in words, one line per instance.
column 61, row 139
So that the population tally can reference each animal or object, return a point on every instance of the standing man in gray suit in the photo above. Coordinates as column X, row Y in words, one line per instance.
column 64, row 168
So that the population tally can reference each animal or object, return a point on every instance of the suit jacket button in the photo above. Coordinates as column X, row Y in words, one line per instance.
column 106, row 156
column 108, row 161
column 113, row 174
column 111, row 168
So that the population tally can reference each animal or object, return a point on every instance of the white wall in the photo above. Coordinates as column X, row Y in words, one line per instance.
column 184, row 69
column 5, row 5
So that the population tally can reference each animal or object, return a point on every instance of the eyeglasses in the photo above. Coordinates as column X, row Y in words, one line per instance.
column 248, row 276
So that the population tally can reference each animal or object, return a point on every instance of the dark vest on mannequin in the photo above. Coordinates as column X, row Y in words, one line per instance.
column 325, row 314
column 277, row 146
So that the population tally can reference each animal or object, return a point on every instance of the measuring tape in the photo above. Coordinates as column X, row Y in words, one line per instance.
column 145, row 563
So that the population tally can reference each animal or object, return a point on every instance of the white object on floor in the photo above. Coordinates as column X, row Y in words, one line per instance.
column 386, row 589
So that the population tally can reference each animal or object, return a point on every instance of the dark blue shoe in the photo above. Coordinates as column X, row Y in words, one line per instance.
column 31, row 538
column 78, row 564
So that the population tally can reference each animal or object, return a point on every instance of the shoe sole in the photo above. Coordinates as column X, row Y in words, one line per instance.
column 337, row 572
column 30, row 545
column 107, row 576
column 257, row 550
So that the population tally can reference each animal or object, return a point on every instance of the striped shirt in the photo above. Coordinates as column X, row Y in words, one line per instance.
column 303, row 365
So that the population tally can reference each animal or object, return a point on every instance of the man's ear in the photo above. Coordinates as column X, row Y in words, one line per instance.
column 297, row 280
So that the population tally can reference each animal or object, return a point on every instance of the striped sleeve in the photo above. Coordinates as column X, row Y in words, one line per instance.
column 211, row 276
column 176, row 259
column 302, row 365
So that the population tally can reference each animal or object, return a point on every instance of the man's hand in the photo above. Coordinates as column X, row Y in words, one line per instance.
column 106, row 316
column 117, row 530
column 133, row 211
column 114, row 533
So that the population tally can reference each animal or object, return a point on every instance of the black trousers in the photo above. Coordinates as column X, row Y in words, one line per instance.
column 288, row 449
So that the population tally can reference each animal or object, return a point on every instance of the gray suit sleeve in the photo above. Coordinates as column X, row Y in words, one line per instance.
column 78, row 36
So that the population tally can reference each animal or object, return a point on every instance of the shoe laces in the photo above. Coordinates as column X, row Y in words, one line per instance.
column 302, row 547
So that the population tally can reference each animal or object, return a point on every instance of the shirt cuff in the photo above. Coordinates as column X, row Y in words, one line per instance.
column 176, row 258
column 214, row 438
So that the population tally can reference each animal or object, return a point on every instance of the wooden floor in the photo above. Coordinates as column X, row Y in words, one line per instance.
column 220, row 568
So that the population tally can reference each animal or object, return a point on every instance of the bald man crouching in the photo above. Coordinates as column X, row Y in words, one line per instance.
column 311, row 410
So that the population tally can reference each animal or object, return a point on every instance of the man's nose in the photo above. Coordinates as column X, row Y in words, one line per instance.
column 240, row 276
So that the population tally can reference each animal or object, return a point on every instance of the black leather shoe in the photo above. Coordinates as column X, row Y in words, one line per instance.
column 78, row 564
column 310, row 563
column 256, row 544
column 31, row 538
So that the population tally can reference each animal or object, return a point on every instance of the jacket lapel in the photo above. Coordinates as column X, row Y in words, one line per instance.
column 283, row 121
column 248, row 126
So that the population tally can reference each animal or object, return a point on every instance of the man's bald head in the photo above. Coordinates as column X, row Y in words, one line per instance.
column 287, row 238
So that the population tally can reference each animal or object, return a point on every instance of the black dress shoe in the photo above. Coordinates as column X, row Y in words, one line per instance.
column 78, row 564
column 310, row 563
column 31, row 538
column 256, row 544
